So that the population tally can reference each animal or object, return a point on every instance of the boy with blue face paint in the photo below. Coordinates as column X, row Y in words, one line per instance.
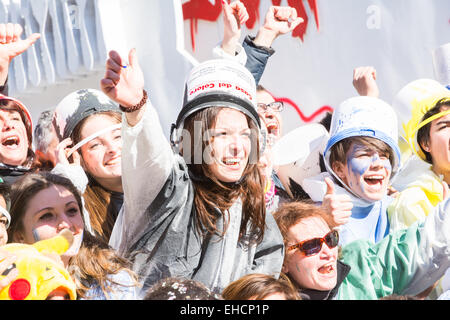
column 361, row 158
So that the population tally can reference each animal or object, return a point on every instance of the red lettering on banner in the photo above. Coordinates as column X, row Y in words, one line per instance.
column 195, row 10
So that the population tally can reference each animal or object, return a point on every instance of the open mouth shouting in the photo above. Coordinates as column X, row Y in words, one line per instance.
column 11, row 142
column 374, row 181
column 328, row 269
column 233, row 163
column 273, row 129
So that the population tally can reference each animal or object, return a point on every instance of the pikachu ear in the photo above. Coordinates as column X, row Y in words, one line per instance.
column 58, row 244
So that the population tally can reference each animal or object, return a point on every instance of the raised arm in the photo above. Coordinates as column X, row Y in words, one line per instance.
column 278, row 21
column 364, row 81
column 11, row 45
column 147, row 158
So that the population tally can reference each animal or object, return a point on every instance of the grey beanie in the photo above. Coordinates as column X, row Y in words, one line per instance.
column 79, row 105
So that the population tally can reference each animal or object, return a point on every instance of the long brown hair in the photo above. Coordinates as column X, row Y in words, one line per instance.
column 97, row 198
column 212, row 194
column 95, row 260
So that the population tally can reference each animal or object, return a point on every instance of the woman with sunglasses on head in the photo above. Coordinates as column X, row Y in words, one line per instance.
column 199, row 212
column 406, row 262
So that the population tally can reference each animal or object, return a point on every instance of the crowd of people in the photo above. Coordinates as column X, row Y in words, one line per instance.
column 208, row 213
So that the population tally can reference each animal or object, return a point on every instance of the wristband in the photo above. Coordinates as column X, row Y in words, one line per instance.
column 136, row 107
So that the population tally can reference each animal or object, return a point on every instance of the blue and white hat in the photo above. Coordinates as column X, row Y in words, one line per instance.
column 364, row 116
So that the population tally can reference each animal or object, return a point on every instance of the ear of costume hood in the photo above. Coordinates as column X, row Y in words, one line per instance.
column 79, row 105
column 364, row 117
column 38, row 274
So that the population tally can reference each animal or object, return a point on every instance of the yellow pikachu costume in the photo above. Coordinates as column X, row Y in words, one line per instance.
column 39, row 275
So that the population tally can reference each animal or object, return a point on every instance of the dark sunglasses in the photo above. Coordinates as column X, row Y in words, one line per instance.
column 313, row 246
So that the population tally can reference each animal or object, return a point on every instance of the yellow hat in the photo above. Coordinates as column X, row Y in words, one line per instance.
column 38, row 274
column 411, row 103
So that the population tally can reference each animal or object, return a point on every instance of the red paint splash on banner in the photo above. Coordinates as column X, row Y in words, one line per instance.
column 203, row 10
column 304, row 118
column 195, row 10
column 252, row 7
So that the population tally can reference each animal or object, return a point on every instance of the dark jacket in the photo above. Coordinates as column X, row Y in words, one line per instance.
column 257, row 57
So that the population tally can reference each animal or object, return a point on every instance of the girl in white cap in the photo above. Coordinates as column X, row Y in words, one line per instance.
column 199, row 214
column 361, row 157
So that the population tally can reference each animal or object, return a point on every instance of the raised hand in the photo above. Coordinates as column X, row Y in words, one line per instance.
column 11, row 45
column 63, row 153
column 364, row 81
column 278, row 21
column 123, row 84
column 234, row 15
column 339, row 206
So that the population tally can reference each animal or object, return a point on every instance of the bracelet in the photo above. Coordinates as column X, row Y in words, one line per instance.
column 136, row 107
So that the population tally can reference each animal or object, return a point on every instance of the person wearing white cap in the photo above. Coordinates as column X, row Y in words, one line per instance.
column 89, row 123
column 254, row 54
column 361, row 157
column 198, row 212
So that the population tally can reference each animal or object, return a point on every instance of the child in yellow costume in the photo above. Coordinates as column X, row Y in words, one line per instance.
column 424, row 190
column 39, row 274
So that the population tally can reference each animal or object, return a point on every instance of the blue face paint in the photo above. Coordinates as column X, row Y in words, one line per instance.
column 358, row 165
column 35, row 235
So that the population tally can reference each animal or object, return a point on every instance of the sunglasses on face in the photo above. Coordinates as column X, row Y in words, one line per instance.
column 277, row 106
column 313, row 246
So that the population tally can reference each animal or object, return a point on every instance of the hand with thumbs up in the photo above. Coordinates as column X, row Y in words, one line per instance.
column 339, row 206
